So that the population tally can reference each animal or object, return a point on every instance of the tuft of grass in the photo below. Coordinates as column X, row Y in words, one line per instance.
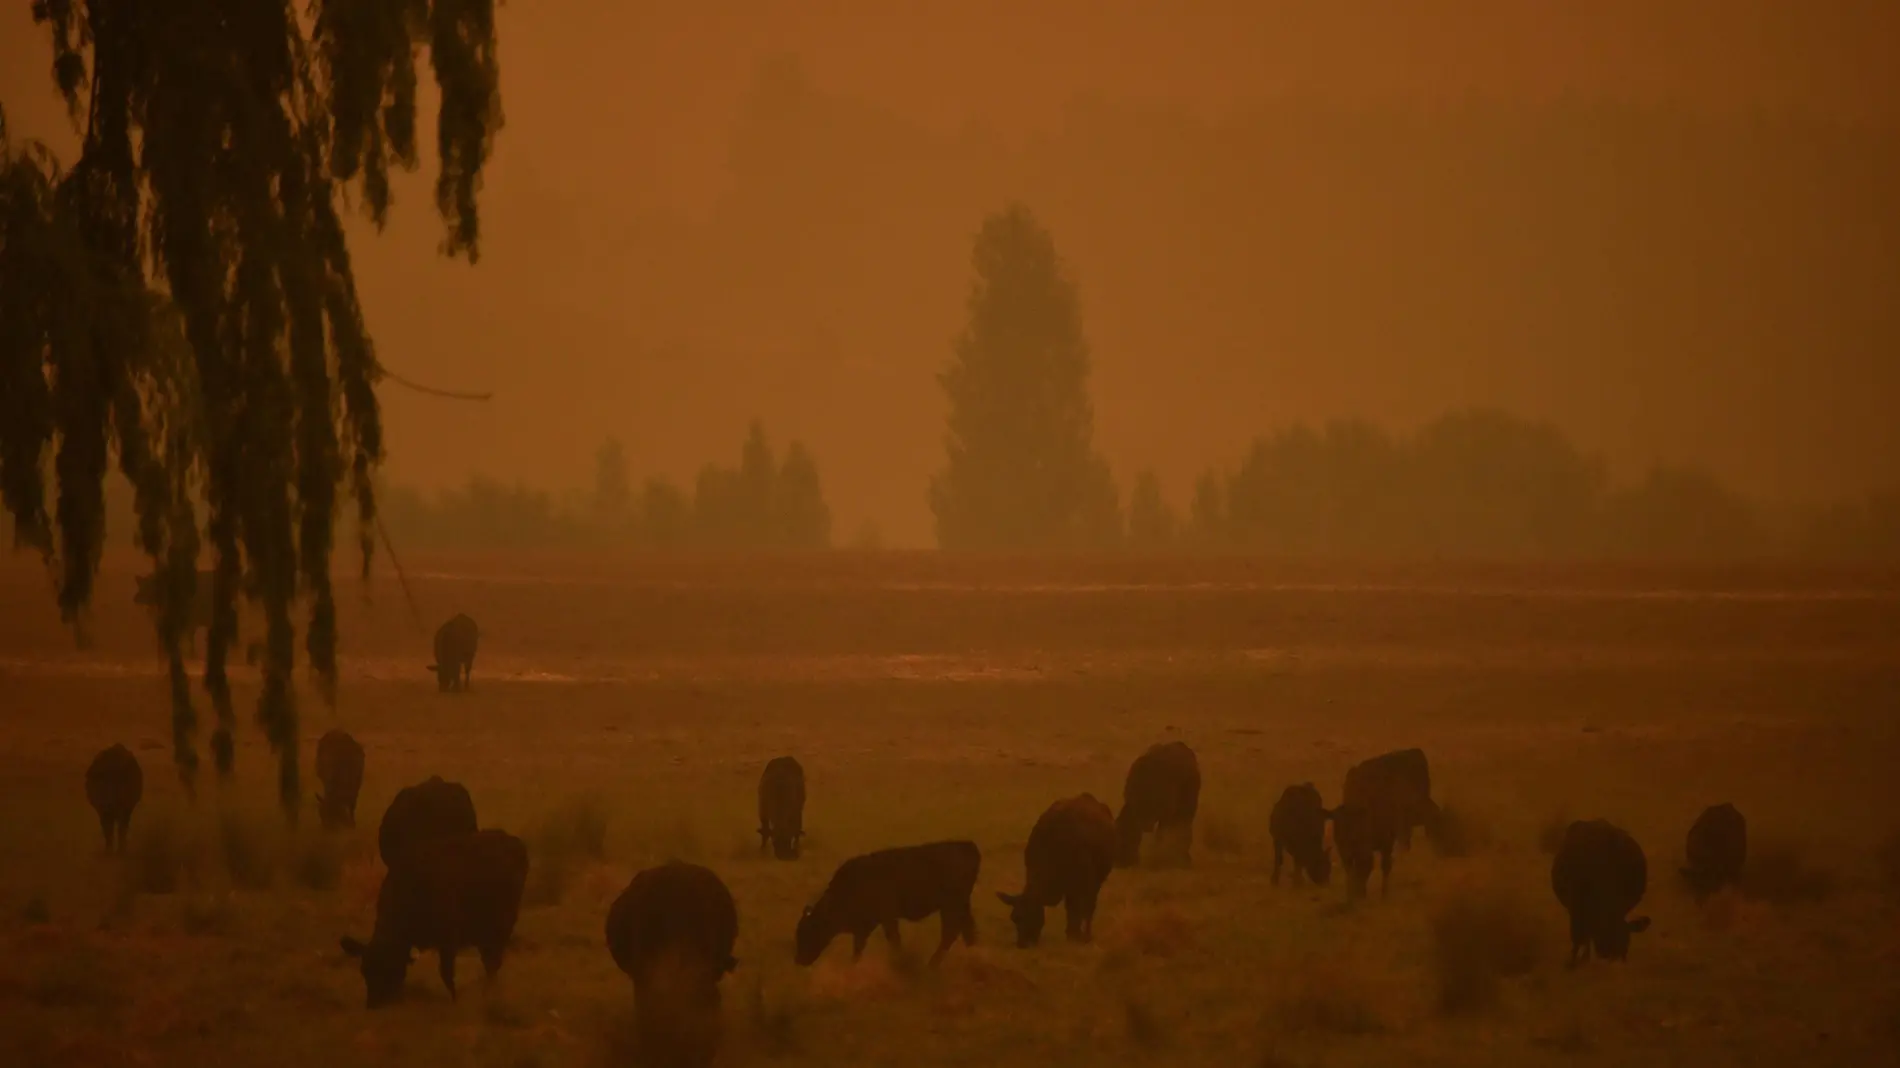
column 1480, row 937
column 317, row 862
column 1321, row 997
column 247, row 850
column 1458, row 833
column 158, row 857
column 1146, row 1029
column 1220, row 835
column 35, row 912
column 576, row 828
column 1779, row 873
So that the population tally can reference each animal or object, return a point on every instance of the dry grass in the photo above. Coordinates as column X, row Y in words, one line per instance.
column 1459, row 832
column 1779, row 872
column 621, row 718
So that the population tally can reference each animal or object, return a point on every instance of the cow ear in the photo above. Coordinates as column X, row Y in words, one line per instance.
column 1008, row 899
column 351, row 947
column 1639, row 925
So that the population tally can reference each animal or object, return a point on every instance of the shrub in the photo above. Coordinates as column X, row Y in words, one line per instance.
column 549, row 876
column 1480, row 937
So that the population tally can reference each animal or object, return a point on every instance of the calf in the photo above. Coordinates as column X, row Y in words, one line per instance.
column 782, row 807
column 1071, row 850
column 1298, row 825
column 1161, row 794
column 456, row 893
column 340, row 770
column 1717, row 848
column 671, row 931
column 455, row 643
column 878, row 889
column 427, row 810
column 1360, row 831
column 1399, row 782
column 114, row 784
column 1599, row 876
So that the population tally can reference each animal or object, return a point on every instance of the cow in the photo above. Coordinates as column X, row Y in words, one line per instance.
column 1359, row 831
column 1400, row 782
column 782, row 807
column 1298, row 826
column 1070, row 852
column 671, row 931
column 878, row 889
column 114, row 784
column 455, row 653
column 1162, row 793
column 458, row 892
column 340, row 770
column 1599, row 876
column 1716, row 849
column 429, row 809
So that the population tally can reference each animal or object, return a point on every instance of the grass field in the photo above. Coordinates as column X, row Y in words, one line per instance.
column 931, row 698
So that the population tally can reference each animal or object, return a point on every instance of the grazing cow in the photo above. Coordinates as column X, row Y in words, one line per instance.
column 456, row 893
column 1717, row 848
column 1401, row 783
column 114, row 784
column 1162, row 793
column 1599, row 876
column 1298, row 825
column 782, row 807
column 878, row 889
column 671, row 931
column 455, row 653
column 1071, row 850
column 340, row 770
column 430, row 809
column 1359, row 831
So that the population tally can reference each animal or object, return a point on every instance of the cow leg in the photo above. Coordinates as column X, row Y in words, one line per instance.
column 956, row 923
column 1385, row 874
column 491, row 959
column 106, row 823
column 125, row 826
column 1081, row 906
column 858, row 939
column 891, row 936
column 447, row 958
column 1405, row 835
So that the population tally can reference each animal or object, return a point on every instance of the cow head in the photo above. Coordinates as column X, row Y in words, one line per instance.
column 446, row 675
column 785, row 843
column 815, row 932
column 1027, row 915
column 1319, row 866
column 1613, row 936
column 385, row 966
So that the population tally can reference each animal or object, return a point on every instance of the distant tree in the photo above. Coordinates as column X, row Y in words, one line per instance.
column 665, row 514
column 802, row 520
column 1151, row 523
column 1681, row 514
column 216, row 141
column 1207, row 515
column 1021, row 468
column 613, row 486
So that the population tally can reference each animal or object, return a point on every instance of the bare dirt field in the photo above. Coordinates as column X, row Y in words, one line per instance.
column 932, row 697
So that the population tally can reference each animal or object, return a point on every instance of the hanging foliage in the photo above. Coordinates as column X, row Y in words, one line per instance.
column 182, row 300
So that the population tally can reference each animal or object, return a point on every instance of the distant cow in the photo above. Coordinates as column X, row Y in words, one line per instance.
column 1360, row 831
column 1298, row 825
column 1071, row 850
column 455, row 653
column 1599, row 876
column 1399, row 782
column 1162, row 793
column 671, row 931
column 782, row 807
column 340, row 770
column 878, row 889
column 427, row 810
column 1717, row 849
column 456, row 893
column 114, row 784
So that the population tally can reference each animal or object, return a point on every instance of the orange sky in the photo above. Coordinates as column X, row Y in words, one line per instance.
column 622, row 119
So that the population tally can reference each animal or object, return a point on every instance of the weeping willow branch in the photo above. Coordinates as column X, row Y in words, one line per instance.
column 183, row 300
column 432, row 390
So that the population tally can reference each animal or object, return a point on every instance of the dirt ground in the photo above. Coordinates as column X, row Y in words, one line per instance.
column 930, row 697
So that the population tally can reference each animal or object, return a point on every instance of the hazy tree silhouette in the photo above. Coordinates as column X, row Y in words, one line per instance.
column 1022, row 470
column 613, row 486
column 760, row 504
column 216, row 139
column 1151, row 523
